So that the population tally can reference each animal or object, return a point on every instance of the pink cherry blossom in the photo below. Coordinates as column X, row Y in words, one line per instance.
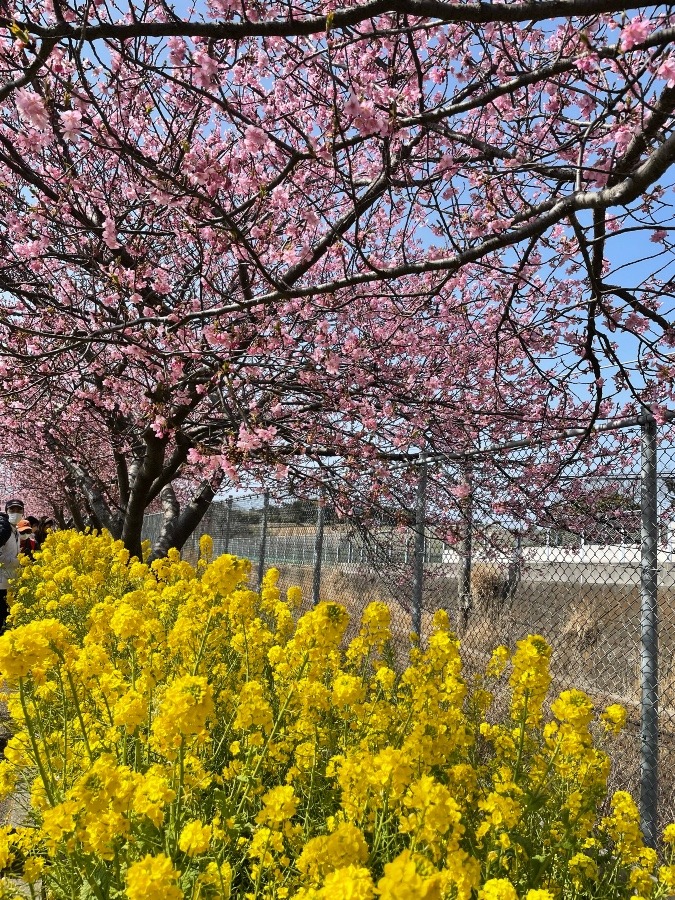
column 206, row 69
column 636, row 31
column 177, row 50
column 30, row 249
column 667, row 71
column 352, row 107
column 71, row 124
column 32, row 109
column 255, row 139
column 623, row 137
column 110, row 234
column 660, row 413
column 234, row 258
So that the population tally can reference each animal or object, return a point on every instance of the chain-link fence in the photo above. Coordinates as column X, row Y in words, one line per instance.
column 581, row 552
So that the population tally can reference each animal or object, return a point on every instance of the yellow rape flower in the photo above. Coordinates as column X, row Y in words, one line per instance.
column 582, row 868
column 153, row 878
column 33, row 868
column 253, row 709
column 130, row 711
column 127, row 622
column 195, row 838
column 500, row 811
column 574, row 707
column 530, row 678
column 185, row 708
column 172, row 706
column 498, row 662
column 498, row 889
column 279, row 806
column 152, row 796
column 294, row 596
column 348, row 690
column 435, row 814
column 32, row 646
column 344, row 847
column 59, row 822
column 349, row 883
column 6, row 852
column 386, row 678
column 215, row 881
column 206, row 548
column 667, row 877
column 623, row 826
column 614, row 718
column 402, row 880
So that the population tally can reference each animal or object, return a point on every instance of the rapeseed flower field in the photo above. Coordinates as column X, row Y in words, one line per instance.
column 177, row 735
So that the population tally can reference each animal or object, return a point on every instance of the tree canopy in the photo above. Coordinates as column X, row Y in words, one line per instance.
column 263, row 238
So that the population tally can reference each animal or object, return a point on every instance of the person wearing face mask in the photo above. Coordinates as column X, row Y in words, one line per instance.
column 9, row 552
column 14, row 510
column 27, row 541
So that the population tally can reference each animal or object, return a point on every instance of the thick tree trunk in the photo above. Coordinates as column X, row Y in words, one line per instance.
column 100, row 512
column 122, row 478
column 139, row 490
column 179, row 526
column 141, row 477
column 170, row 513
column 59, row 515
column 75, row 515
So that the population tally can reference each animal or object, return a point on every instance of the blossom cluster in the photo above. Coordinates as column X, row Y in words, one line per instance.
column 178, row 735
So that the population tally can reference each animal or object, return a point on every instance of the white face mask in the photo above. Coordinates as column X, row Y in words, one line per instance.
column 15, row 518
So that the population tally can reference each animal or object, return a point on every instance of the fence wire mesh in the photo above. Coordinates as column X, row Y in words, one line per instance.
column 566, row 560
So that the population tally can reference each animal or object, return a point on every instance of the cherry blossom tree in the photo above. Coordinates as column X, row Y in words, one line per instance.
column 275, row 238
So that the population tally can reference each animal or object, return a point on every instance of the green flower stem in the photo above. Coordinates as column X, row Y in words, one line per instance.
column 43, row 738
column 177, row 806
column 521, row 739
column 202, row 645
column 33, row 741
column 272, row 733
column 261, row 866
column 64, row 756
column 80, row 717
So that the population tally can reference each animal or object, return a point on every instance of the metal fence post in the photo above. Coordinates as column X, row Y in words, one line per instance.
column 649, row 724
column 514, row 569
column 465, row 553
column 418, row 573
column 318, row 551
column 228, row 523
column 263, row 539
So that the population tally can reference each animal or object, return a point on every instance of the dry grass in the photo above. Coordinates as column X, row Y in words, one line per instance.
column 489, row 586
column 581, row 628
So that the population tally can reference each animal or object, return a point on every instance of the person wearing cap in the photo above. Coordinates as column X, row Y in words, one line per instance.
column 27, row 542
column 9, row 553
column 14, row 510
